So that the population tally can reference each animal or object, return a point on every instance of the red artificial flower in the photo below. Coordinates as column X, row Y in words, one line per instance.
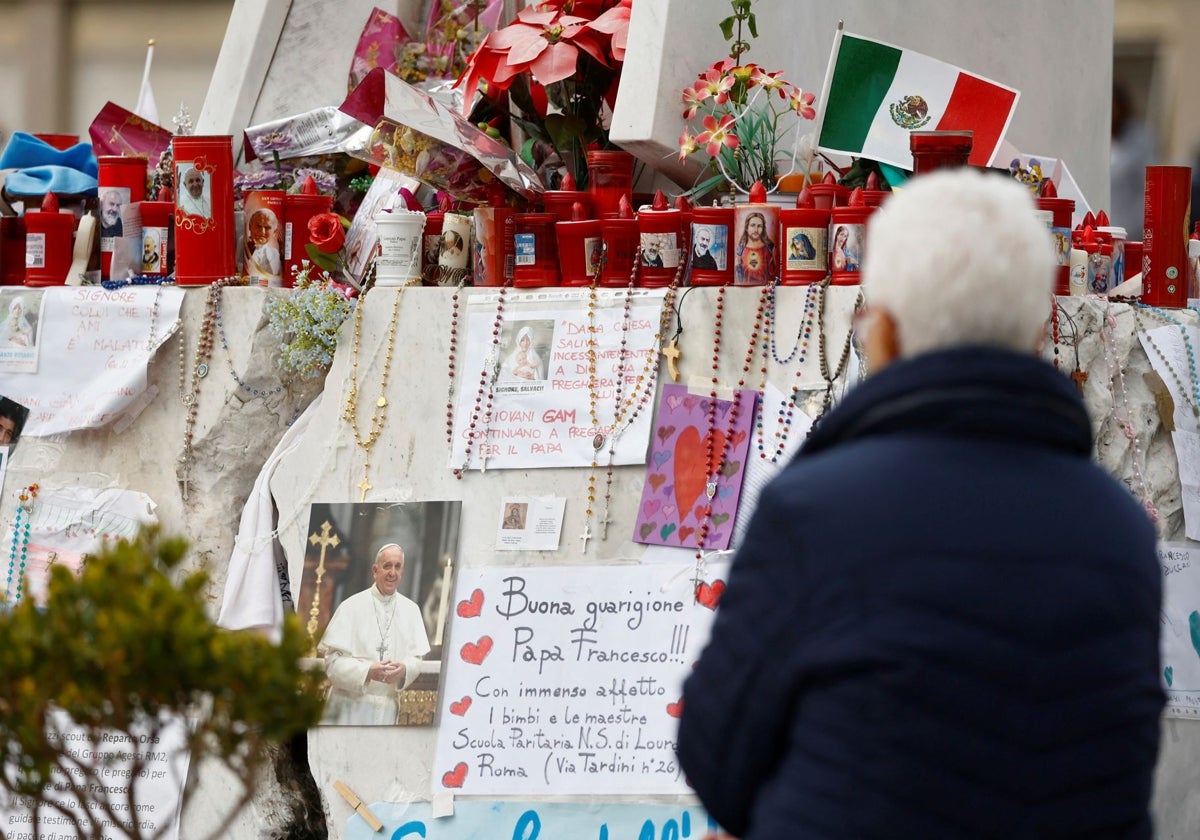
column 615, row 24
column 801, row 103
column 326, row 233
column 543, row 41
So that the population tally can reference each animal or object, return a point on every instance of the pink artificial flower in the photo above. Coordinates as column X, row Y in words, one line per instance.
column 687, row 144
column 615, row 24
column 717, row 133
column 801, row 103
column 716, row 83
column 692, row 97
column 770, row 81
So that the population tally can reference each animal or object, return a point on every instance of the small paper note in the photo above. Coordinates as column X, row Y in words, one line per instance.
column 530, row 524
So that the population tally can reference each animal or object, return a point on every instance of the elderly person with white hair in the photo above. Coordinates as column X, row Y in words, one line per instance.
column 943, row 621
column 373, row 647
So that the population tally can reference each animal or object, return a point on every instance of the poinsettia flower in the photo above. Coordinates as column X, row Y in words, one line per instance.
column 717, row 133
column 801, row 102
column 615, row 24
column 687, row 144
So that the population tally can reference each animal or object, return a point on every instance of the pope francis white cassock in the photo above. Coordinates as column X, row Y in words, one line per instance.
column 373, row 648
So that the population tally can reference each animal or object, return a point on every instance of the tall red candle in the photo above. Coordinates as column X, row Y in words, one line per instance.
column 620, row 243
column 712, row 236
column 579, row 247
column 298, row 208
column 1164, row 240
column 848, row 240
column 204, row 221
column 660, row 232
column 122, row 180
column 49, row 236
column 535, row 262
column 805, row 242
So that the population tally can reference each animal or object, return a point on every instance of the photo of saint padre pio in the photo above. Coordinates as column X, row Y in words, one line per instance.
column 382, row 572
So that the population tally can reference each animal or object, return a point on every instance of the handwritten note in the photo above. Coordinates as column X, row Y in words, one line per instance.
column 95, row 346
column 1168, row 355
column 567, row 680
column 1180, row 638
column 536, row 821
column 528, row 392
column 104, row 771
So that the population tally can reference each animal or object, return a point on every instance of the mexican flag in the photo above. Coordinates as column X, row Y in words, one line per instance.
column 878, row 93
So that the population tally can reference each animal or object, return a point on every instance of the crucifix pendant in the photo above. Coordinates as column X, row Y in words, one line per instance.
column 672, row 354
column 585, row 536
column 364, row 486
column 604, row 526
column 382, row 648
column 483, row 456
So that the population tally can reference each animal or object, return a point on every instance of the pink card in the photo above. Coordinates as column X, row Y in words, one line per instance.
column 675, row 494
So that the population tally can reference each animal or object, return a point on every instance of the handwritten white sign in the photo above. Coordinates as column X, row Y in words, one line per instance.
column 525, row 395
column 1180, row 638
column 142, row 784
column 567, row 680
column 95, row 346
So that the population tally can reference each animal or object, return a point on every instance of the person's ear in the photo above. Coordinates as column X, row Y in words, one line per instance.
column 883, row 340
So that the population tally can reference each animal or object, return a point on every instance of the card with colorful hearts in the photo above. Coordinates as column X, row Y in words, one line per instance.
column 684, row 448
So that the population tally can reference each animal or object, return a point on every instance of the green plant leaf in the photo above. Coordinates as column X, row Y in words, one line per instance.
column 727, row 27
column 320, row 258
column 753, row 24
column 527, row 152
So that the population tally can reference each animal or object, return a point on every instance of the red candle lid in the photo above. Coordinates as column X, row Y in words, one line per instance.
column 50, row 203
column 873, row 181
column 682, row 203
column 1048, row 189
column 1089, row 221
column 1102, row 219
column 579, row 213
column 805, row 199
column 568, row 183
column 308, row 186
column 624, row 209
column 758, row 193
column 856, row 198
column 829, row 178
column 660, row 201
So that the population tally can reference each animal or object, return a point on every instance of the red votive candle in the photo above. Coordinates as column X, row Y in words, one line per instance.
column 561, row 201
column 805, row 242
column 756, row 250
column 848, row 240
column 49, row 236
column 620, row 247
column 121, row 180
column 932, row 150
column 535, row 249
column 579, row 247
column 610, row 178
column 298, row 208
column 829, row 193
column 1165, row 237
column 1056, row 213
column 710, row 262
column 12, row 250
column 204, row 222
column 660, row 241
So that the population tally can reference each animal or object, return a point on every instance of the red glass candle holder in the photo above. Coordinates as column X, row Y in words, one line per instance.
column 660, row 245
column 579, row 251
column 121, row 181
column 298, row 209
column 847, row 243
column 204, row 222
column 805, row 243
column 620, row 251
column 535, row 250
column 712, row 235
column 610, row 176
column 49, row 237
column 933, row 150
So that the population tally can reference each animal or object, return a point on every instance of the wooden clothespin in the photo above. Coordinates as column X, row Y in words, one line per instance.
column 358, row 805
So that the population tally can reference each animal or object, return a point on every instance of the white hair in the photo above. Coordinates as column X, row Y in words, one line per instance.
column 959, row 258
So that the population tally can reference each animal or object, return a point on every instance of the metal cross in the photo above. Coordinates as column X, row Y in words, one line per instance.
column 604, row 520
column 325, row 540
column 364, row 486
column 382, row 648
column 585, row 536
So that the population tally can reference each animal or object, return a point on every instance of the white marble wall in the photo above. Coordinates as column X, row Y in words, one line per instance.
column 235, row 436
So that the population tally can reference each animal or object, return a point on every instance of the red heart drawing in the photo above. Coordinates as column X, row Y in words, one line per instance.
column 707, row 595
column 738, row 437
column 459, row 707
column 656, row 480
column 675, row 709
column 701, row 513
column 691, row 465
column 456, row 776
column 476, row 652
column 665, row 432
column 472, row 607
column 685, row 532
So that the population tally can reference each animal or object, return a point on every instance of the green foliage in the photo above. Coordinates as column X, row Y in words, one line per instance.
column 127, row 646
column 741, row 16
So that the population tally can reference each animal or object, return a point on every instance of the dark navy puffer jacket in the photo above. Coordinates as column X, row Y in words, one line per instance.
column 943, row 624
